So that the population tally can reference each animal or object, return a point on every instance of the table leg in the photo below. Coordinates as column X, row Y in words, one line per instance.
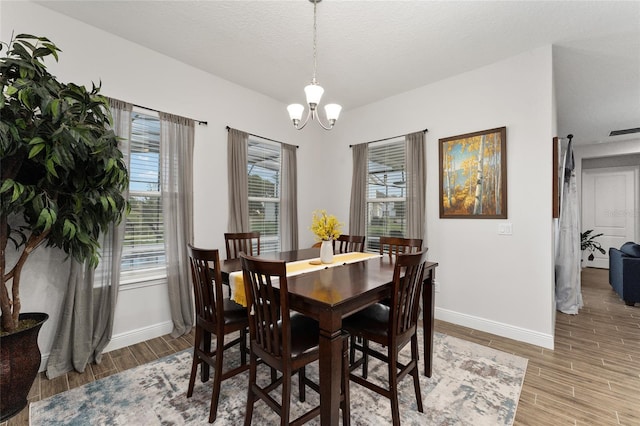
column 428, row 306
column 330, row 367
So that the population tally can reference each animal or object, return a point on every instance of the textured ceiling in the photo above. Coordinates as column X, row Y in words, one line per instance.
column 370, row 50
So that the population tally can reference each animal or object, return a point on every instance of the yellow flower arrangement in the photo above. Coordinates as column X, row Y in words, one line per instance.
column 325, row 227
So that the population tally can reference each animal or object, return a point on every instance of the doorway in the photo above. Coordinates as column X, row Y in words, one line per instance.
column 609, row 207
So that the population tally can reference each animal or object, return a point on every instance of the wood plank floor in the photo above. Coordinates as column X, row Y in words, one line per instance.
column 591, row 378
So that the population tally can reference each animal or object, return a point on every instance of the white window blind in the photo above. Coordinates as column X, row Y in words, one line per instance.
column 386, row 191
column 143, row 254
column 263, row 168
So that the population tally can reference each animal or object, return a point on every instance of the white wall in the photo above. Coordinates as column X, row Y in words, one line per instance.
column 499, row 284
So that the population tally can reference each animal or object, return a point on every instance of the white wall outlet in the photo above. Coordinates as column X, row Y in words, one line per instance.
column 505, row 228
column 436, row 284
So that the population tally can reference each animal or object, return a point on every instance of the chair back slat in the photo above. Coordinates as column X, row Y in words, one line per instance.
column 268, row 306
column 207, row 283
column 407, row 281
column 242, row 242
column 349, row 243
column 394, row 246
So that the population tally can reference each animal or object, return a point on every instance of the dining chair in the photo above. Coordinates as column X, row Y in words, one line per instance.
column 217, row 316
column 242, row 242
column 392, row 327
column 283, row 340
column 397, row 245
column 349, row 243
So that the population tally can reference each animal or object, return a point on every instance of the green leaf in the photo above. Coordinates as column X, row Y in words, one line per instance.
column 36, row 149
column 50, row 167
column 43, row 219
column 69, row 229
column 8, row 183
column 35, row 141
column 10, row 91
column 18, row 189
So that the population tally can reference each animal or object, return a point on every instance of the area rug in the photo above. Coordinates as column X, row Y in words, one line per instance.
column 471, row 385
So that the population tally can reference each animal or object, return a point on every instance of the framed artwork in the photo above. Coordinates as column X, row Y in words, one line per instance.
column 473, row 175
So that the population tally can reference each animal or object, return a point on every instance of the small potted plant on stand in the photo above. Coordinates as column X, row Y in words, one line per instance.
column 588, row 242
column 62, row 184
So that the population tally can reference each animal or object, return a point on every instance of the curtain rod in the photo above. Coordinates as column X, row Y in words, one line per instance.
column 258, row 136
column 386, row 139
column 200, row 122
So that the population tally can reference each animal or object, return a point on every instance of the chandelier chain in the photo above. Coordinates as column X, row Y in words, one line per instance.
column 315, row 32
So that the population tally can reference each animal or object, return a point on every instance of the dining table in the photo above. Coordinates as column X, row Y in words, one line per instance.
column 334, row 292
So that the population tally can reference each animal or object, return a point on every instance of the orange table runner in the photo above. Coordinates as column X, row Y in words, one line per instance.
column 298, row 267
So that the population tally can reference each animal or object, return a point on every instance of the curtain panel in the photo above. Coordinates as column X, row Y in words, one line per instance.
column 176, row 155
column 237, row 142
column 358, row 203
column 289, row 199
column 416, row 185
column 88, row 307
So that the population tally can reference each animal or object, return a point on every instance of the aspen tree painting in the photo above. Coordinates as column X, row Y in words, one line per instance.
column 473, row 175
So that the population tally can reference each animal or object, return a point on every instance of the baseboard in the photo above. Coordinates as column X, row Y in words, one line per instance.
column 132, row 337
column 128, row 338
column 497, row 328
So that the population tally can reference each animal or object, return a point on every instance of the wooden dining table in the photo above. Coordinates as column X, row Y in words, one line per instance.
column 329, row 295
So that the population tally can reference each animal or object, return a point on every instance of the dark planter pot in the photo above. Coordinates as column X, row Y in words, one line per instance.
column 19, row 363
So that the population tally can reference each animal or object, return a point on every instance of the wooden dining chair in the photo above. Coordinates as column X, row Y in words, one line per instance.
column 349, row 243
column 217, row 316
column 242, row 242
column 392, row 327
column 282, row 340
column 397, row 245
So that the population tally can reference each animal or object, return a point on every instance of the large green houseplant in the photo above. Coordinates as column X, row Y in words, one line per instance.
column 62, row 174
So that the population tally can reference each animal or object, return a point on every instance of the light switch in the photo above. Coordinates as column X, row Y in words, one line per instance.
column 505, row 228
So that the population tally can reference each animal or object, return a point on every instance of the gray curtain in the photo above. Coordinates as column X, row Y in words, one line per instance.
column 567, row 262
column 238, row 181
column 416, row 185
column 358, row 206
column 86, row 324
column 176, row 168
column 289, row 199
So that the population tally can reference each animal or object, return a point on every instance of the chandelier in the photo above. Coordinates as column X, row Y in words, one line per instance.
column 313, row 93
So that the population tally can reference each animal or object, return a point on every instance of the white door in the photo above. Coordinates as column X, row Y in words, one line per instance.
column 609, row 206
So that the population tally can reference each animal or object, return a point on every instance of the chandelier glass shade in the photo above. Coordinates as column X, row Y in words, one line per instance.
column 313, row 94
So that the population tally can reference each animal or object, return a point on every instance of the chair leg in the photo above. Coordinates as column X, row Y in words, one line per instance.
column 414, row 372
column 365, row 358
column 251, row 398
column 302, row 377
column 286, row 398
column 217, row 379
column 393, row 385
column 195, row 361
column 243, row 346
column 346, row 400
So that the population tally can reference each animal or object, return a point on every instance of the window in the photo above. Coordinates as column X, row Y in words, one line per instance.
column 143, row 252
column 386, row 191
column 263, row 169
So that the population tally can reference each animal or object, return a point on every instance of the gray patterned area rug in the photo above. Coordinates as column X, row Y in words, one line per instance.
column 471, row 385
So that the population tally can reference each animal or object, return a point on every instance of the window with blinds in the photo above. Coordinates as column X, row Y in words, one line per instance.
column 263, row 168
column 386, row 191
column 143, row 253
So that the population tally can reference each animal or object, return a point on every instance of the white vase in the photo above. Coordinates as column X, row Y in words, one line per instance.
column 326, row 252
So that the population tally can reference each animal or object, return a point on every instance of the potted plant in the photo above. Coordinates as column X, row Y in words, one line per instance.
column 62, row 183
column 326, row 229
column 588, row 242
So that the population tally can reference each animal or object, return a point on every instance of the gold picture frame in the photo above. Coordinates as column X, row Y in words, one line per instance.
column 473, row 175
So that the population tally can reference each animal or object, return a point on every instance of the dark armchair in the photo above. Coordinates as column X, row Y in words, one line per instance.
column 624, row 272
